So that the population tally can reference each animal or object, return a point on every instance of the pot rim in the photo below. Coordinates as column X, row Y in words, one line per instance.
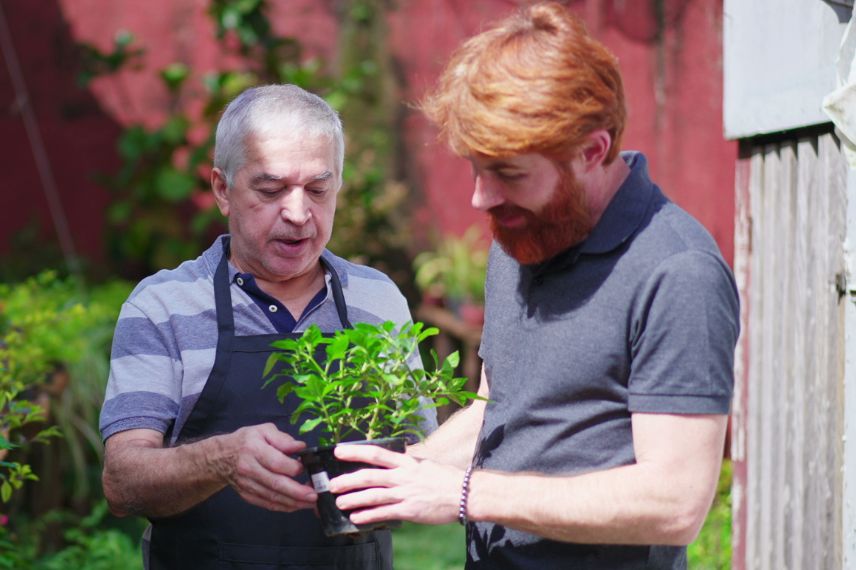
column 327, row 448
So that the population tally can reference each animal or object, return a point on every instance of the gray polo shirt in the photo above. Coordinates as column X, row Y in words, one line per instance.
column 641, row 317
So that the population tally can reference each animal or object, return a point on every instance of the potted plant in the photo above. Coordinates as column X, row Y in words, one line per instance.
column 455, row 271
column 363, row 386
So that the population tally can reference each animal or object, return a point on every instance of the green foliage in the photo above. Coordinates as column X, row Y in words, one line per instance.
column 40, row 326
column 365, row 384
column 455, row 270
column 76, row 409
column 712, row 549
column 95, row 63
column 161, row 175
column 91, row 542
column 52, row 330
column 90, row 546
column 48, row 330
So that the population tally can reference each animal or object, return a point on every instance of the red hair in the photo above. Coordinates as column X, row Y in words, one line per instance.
column 535, row 82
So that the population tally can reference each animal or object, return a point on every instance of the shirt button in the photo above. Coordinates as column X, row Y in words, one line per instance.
column 240, row 280
column 272, row 308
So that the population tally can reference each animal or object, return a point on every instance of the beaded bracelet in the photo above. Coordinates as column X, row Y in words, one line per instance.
column 465, row 491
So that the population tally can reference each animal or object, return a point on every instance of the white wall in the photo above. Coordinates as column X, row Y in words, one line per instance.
column 779, row 63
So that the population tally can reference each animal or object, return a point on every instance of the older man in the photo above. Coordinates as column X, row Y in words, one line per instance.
column 610, row 326
column 192, row 441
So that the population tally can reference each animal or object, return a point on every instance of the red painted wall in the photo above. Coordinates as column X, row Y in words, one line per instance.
column 673, row 79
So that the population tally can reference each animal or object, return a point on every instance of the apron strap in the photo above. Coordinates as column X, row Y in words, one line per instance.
column 338, row 296
column 205, row 405
column 223, row 295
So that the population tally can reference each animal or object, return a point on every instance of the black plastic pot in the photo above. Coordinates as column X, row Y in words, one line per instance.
column 322, row 465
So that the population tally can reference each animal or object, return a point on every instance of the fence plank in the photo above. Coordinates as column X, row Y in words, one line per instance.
column 803, row 332
column 789, row 444
column 785, row 371
column 770, row 366
column 739, row 408
column 835, row 170
column 756, row 313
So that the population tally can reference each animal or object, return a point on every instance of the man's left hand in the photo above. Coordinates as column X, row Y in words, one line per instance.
column 410, row 489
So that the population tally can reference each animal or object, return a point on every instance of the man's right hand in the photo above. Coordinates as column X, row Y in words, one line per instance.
column 142, row 477
column 256, row 463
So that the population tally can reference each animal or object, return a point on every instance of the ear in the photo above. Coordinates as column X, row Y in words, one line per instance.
column 595, row 149
column 221, row 190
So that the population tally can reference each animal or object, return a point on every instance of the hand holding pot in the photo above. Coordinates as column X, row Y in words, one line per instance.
column 417, row 490
column 257, row 465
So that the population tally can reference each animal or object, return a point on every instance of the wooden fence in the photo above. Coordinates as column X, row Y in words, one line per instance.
column 787, row 440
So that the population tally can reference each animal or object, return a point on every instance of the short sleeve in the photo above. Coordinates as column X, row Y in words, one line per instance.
column 144, row 386
column 685, row 325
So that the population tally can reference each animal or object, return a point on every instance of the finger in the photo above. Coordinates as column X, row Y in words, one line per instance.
column 361, row 479
column 282, row 441
column 371, row 454
column 298, row 497
column 273, row 484
column 265, row 502
column 366, row 498
column 389, row 512
column 287, row 487
column 281, row 464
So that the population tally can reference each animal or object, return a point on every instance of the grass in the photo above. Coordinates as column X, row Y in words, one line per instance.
column 417, row 547
column 712, row 549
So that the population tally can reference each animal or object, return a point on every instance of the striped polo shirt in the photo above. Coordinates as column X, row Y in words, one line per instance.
column 166, row 337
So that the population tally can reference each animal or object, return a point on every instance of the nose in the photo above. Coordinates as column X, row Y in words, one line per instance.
column 486, row 194
column 295, row 207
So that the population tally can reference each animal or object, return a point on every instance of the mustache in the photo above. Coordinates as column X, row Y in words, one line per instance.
column 293, row 236
column 506, row 210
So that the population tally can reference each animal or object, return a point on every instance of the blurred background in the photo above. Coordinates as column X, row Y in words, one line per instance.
column 107, row 111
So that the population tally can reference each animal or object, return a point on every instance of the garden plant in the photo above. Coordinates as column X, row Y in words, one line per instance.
column 359, row 382
column 365, row 385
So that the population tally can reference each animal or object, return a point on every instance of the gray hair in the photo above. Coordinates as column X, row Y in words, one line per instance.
column 260, row 108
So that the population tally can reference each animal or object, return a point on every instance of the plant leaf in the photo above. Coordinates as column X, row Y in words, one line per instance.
column 310, row 425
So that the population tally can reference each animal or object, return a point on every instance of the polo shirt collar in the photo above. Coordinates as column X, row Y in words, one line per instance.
column 213, row 254
column 625, row 212
column 338, row 265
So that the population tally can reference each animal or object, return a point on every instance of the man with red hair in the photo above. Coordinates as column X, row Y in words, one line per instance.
column 610, row 326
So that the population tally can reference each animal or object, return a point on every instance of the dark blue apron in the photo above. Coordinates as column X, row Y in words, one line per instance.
column 224, row 531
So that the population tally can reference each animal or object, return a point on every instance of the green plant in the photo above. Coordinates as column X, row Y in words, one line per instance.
column 455, row 270
column 40, row 326
column 95, row 541
column 712, row 549
column 365, row 385
column 54, row 335
column 91, row 545
column 54, row 342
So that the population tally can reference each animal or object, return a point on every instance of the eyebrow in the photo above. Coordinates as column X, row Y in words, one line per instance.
column 500, row 165
column 267, row 177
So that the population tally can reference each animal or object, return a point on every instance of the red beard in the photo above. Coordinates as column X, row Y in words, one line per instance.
column 563, row 222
